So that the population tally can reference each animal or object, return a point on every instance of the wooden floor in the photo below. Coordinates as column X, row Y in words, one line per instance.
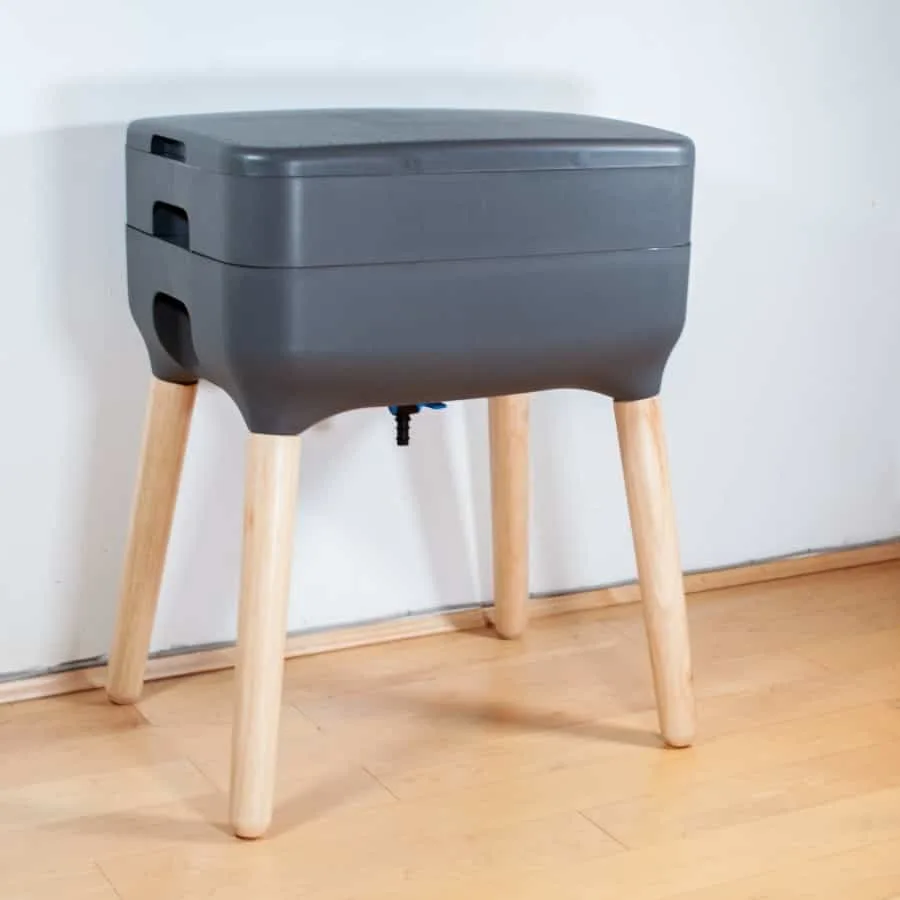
column 460, row 766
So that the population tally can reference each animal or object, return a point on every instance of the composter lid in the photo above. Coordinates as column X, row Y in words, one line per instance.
column 336, row 142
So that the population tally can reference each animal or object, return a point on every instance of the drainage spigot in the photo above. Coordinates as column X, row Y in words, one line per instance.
column 402, row 415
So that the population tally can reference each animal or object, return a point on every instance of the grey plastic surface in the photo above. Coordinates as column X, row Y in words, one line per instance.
column 294, row 346
column 315, row 262
column 317, row 142
column 586, row 186
column 359, row 220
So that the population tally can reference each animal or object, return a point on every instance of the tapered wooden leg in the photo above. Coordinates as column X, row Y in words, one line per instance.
column 165, row 437
column 644, row 460
column 509, row 502
column 273, row 463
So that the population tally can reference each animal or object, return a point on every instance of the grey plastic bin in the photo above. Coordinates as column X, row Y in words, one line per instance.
column 311, row 262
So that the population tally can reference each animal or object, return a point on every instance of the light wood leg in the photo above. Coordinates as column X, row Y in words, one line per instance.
column 166, row 429
column 644, row 460
column 509, row 510
column 273, row 463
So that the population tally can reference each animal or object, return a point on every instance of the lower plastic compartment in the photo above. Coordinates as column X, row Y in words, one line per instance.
column 292, row 346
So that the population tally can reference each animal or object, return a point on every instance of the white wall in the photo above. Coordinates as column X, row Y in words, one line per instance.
column 783, row 424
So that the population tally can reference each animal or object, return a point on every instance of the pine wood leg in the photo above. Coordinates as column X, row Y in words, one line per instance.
column 273, row 463
column 644, row 461
column 166, row 429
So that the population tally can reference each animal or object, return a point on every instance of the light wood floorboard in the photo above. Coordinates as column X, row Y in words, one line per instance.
column 459, row 766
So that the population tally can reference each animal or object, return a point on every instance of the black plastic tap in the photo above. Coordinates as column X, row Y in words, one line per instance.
column 402, row 415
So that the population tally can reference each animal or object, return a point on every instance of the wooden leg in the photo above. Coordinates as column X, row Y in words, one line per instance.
column 273, row 463
column 509, row 500
column 644, row 460
column 162, row 454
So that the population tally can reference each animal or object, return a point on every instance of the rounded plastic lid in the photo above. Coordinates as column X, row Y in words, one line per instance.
column 323, row 142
